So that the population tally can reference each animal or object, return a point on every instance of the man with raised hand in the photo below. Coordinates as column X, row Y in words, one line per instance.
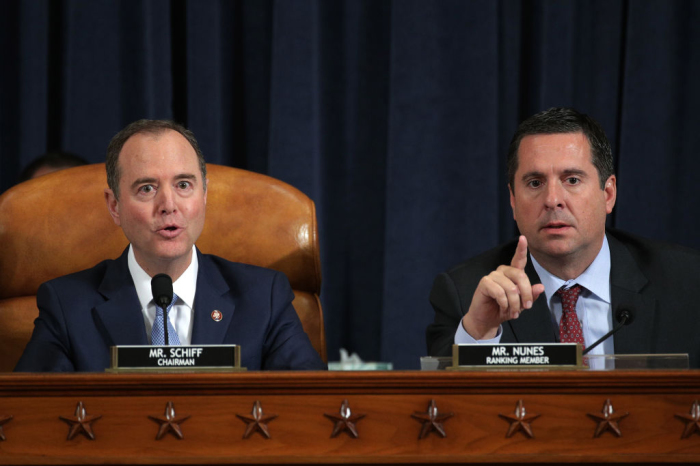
column 568, row 274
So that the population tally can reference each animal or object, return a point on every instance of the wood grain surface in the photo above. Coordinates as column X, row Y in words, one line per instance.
column 301, row 433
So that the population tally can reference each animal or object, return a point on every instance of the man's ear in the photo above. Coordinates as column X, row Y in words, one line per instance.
column 112, row 206
column 206, row 185
column 610, row 191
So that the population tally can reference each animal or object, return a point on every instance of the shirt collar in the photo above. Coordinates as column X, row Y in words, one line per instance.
column 184, row 287
column 595, row 279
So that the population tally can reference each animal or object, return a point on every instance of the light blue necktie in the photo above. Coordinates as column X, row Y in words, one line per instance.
column 157, row 332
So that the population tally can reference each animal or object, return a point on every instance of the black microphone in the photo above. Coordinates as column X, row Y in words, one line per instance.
column 624, row 316
column 162, row 289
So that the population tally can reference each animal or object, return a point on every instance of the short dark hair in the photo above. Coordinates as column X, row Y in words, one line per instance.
column 154, row 127
column 564, row 120
column 58, row 160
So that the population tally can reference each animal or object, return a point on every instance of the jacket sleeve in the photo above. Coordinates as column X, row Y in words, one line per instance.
column 448, row 313
column 286, row 344
column 48, row 349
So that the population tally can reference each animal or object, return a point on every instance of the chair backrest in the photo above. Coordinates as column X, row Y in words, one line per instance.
column 58, row 224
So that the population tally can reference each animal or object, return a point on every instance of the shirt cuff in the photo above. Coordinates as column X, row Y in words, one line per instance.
column 463, row 338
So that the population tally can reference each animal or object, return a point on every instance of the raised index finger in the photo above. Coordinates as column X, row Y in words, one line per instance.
column 520, row 257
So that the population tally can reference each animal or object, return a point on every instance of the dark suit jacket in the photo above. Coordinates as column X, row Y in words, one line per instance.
column 81, row 315
column 656, row 280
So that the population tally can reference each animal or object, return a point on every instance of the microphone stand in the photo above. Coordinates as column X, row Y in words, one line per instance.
column 624, row 317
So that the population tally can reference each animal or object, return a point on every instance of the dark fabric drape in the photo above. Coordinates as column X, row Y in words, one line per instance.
column 393, row 116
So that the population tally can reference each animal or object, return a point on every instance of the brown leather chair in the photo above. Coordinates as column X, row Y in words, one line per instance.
column 58, row 224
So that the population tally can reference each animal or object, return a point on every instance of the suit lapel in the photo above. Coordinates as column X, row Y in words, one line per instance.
column 121, row 312
column 534, row 324
column 626, row 284
column 212, row 295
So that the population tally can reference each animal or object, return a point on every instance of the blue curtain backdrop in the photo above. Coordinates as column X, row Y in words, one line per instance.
column 393, row 116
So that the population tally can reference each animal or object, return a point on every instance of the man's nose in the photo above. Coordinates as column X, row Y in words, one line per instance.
column 554, row 195
column 166, row 200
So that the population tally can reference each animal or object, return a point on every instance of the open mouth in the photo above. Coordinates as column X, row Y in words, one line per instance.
column 169, row 231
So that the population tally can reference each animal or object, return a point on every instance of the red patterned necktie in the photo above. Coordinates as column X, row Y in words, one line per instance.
column 570, row 330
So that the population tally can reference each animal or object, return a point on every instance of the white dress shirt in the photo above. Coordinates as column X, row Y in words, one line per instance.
column 594, row 308
column 181, row 313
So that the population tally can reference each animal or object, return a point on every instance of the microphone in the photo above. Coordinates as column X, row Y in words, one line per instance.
column 624, row 316
column 162, row 289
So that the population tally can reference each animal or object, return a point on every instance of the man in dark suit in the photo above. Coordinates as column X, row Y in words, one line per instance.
column 577, row 275
column 157, row 194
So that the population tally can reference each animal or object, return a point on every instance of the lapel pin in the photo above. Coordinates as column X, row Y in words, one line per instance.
column 216, row 316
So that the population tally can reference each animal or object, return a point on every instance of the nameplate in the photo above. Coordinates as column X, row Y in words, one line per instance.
column 174, row 358
column 517, row 355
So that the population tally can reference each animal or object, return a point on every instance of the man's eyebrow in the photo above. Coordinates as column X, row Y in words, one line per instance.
column 186, row 176
column 140, row 181
column 575, row 171
column 532, row 174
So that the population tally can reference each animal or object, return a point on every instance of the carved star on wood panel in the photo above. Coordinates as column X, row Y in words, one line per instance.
column 692, row 420
column 3, row 420
column 345, row 420
column 169, row 422
column 520, row 420
column 256, row 421
column 608, row 419
column 432, row 420
column 80, row 422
